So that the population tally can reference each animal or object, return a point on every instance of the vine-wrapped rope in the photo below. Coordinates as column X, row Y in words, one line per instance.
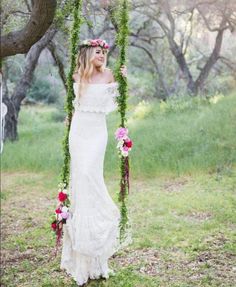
column 74, row 40
column 122, row 42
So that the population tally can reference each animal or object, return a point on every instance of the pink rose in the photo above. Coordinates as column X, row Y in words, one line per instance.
column 121, row 133
column 125, row 148
column 64, row 215
column 99, row 41
column 93, row 43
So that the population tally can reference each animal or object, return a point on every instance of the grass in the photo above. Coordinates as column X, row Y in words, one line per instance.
column 183, row 232
column 179, row 137
column 182, row 201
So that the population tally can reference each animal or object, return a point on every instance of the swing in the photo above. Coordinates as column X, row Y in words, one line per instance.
column 121, row 134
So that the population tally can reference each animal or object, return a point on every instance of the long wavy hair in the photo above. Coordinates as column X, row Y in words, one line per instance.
column 84, row 66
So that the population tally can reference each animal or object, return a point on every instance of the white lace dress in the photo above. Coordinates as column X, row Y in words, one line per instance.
column 91, row 234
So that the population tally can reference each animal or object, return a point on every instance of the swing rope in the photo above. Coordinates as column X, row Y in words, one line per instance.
column 122, row 42
column 70, row 92
column 57, row 224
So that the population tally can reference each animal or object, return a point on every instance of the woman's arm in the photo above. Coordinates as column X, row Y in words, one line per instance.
column 123, row 71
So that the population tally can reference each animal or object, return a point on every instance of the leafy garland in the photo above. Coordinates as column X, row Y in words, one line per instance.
column 77, row 20
column 122, row 43
column 57, row 225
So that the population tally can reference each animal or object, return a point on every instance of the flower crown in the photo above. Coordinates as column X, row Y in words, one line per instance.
column 94, row 43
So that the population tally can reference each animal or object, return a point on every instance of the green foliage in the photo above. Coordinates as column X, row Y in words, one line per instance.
column 13, row 21
column 183, row 231
column 74, row 38
column 42, row 91
column 186, row 141
column 64, row 10
column 122, row 42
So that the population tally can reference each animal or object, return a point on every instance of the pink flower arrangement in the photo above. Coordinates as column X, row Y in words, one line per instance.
column 124, row 144
column 95, row 43
column 62, row 210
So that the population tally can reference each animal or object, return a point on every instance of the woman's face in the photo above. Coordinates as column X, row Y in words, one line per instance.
column 99, row 58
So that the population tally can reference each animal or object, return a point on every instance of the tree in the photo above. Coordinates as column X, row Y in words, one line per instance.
column 25, row 82
column 19, row 42
column 167, row 13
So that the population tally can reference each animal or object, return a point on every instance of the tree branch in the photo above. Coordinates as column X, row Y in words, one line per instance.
column 19, row 42
column 52, row 48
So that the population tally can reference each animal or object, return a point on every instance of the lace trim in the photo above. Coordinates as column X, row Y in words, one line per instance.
column 106, row 104
column 93, row 109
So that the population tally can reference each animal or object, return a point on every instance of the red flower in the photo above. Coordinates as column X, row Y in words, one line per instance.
column 128, row 143
column 62, row 196
column 54, row 225
column 58, row 210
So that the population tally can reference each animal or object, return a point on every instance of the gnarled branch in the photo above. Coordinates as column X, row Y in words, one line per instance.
column 19, row 42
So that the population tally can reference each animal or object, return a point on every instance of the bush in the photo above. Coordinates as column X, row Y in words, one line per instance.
column 42, row 91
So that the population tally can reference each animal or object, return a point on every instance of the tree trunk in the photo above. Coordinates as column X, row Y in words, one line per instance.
column 19, row 42
column 211, row 60
column 14, row 103
column 10, row 128
column 166, row 92
column 59, row 62
column 180, row 59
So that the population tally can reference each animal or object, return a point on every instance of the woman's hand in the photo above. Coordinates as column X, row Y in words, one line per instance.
column 123, row 71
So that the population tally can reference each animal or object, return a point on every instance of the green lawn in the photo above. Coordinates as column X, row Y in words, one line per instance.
column 182, row 203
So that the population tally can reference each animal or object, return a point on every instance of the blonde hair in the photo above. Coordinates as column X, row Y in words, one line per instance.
column 84, row 66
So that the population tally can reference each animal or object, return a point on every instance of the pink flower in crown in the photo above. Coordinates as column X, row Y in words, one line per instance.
column 93, row 43
column 106, row 46
column 121, row 133
column 99, row 41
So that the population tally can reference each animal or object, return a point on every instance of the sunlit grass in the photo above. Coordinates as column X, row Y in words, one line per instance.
column 181, row 136
column 181, row 205
column 180, row 219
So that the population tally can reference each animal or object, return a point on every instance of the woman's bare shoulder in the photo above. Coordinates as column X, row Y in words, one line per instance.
column 109, row 75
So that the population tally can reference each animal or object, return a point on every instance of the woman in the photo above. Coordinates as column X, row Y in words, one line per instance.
column 91, row 233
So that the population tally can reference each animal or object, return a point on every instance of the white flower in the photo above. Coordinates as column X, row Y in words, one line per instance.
column 85, row 42
column 64, row 191
column 61, row 185
column 64, row 209
column 120, row 143
column 124, row 153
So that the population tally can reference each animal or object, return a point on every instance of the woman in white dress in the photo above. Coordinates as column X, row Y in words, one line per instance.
column 91, row 233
